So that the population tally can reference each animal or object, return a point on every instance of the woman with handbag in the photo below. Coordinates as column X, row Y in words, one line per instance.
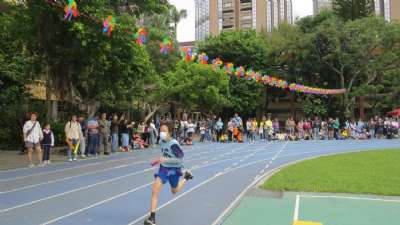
column 32, row 136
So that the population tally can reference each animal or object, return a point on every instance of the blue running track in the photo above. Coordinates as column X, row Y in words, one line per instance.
column 115, row 190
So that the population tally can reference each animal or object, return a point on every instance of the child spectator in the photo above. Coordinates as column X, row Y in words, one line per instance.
column 224, row 138
column 138, row 141
column 47, row 143
column 202, row 132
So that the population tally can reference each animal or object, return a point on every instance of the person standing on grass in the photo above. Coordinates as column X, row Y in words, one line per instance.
column 33, row 134
column 104, row 133
column 73, row 132
column 171, row 164
column 47, row 142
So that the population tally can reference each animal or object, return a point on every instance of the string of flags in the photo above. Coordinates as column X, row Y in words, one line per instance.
column 141, row 36
column 108, row 25
column 187, row 54
column 166, row 46
column 71, row 10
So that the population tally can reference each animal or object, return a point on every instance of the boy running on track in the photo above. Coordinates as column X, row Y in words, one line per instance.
column 171, row 164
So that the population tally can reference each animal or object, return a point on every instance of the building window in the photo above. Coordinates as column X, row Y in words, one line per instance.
column 246, row 26
column 227, row 5
column 246, row 17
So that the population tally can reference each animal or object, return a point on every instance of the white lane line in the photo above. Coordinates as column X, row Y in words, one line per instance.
column 96, row 204
column 296, row 209
column 128, row 156
column 179, row 196
column 273, row 158
column 74, row 190
column 71, row 177
column 221, row 217
column 351, row 198
column 194, row 188
column 257, row 179
column 64, row 169
column 258, row 161
column 105, row 181
column 120, row 195
column 84, row 174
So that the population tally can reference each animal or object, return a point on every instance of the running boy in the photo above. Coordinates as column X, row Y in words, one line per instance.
column 171, row 164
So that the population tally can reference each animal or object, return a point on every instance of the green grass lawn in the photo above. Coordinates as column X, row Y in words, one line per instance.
column 370, row 172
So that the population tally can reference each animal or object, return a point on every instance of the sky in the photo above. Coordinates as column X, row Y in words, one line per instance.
column 301, row 8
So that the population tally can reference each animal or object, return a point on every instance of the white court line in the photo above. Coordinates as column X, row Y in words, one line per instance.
column 220, row 218
column 297, row 204
column 296, row 208
column 351, row 198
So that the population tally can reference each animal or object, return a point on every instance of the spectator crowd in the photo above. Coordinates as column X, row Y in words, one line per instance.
column 88, row 137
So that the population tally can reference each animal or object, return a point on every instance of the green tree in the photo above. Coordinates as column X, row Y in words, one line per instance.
column 198, row 87
column 243, row 48
column 177, row 16
column 326, row 51
column 15, row 64
column 79, row 63
column 354, row 9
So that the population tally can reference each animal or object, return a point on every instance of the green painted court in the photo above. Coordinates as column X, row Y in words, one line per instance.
column 316, row 208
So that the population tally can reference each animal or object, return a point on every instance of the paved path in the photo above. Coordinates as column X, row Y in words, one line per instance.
column 116, row 190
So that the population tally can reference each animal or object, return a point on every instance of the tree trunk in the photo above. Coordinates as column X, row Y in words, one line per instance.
column 292, row 105
column 151, row 113
column 361, row 107
column 90, row 108
column 54, row 110
column 172, row 110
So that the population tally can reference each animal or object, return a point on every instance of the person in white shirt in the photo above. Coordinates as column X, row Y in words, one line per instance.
column 32, row 136
column 73, row 133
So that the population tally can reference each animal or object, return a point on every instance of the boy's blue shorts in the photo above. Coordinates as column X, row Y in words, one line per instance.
column 170, row 174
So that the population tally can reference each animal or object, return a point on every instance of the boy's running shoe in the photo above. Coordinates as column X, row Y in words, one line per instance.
column 150, row 221
column 188, row 175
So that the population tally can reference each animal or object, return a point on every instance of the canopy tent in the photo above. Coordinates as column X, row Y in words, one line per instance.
column 395, row 112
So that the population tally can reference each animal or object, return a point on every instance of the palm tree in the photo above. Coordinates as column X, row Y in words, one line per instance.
column 176, row 16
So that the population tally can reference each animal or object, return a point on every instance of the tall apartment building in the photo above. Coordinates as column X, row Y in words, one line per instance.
column 389, row 9
column 319, row 5
column 215, row 16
